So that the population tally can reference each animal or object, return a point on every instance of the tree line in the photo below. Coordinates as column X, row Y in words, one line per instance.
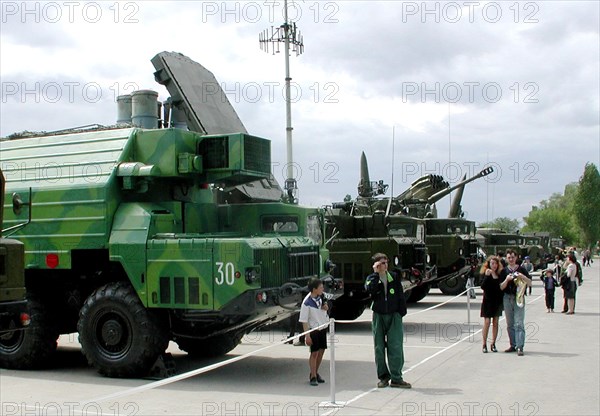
column 573, row 215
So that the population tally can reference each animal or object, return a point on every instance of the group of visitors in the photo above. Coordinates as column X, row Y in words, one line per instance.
column 504, row 283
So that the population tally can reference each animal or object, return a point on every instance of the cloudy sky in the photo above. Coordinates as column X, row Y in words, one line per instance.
column 454, row 85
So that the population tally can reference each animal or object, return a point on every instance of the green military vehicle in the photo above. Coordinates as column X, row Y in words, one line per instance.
column 533, row 247
column 453, row 248
column 451, row 242
column 494, row 241
column 355, row 238
column 14, row 315
column 356, row 229
column 142, row 235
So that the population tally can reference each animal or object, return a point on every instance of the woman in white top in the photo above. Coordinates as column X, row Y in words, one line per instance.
column 572, row 275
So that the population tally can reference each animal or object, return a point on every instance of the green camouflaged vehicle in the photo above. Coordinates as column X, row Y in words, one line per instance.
column 142, row 235
column 14, row 315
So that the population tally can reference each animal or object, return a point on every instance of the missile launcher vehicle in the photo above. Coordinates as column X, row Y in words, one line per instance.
column 142, row 235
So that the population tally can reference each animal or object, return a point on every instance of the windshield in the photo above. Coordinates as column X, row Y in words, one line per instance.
column 313, row 229
column 279, row 224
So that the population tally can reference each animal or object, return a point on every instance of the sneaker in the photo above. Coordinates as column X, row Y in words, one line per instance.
column 510, row 349
column 319, row 379
column 313, row 381
column 383, row 382
column 400, row 384
column 520, row 352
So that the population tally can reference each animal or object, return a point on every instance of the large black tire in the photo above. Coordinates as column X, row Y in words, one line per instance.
column 418, row 293
column 118, row 335
column 453, row 286
column 31, row 347
column 210, row 347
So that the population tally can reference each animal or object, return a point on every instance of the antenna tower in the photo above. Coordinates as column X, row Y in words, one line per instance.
column 289, row 35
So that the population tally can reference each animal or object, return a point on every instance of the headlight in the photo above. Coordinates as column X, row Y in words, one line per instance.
column 460, row 251
column 329, row 266
column 252, row 275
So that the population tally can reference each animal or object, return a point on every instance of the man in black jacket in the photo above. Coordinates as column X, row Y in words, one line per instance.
column 389, row 306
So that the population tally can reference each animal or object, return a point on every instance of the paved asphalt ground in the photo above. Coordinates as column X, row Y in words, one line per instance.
column 559, row 374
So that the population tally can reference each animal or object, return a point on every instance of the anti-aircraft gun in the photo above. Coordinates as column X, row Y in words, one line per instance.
column 14, row 314
column 451, row 242
column 142, row 234
column 356, row 229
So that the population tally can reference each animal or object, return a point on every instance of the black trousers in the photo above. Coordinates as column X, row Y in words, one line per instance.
column 550, row 298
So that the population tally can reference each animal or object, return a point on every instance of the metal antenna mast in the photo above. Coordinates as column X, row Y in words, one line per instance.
column 288, row 34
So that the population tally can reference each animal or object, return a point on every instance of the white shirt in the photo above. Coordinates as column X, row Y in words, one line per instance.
column 311, row 312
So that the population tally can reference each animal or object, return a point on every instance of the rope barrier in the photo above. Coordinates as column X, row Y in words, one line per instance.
column 198, row 371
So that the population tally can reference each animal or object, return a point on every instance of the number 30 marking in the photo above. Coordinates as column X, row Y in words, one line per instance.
column 227, row 275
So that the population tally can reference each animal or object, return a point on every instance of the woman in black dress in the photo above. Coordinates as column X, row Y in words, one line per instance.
column 491, row 307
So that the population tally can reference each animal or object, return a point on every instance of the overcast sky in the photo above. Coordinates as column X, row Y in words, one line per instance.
column 463, row 84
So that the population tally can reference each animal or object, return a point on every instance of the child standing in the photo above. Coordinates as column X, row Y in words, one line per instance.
column 550, row 284
column 313, row 314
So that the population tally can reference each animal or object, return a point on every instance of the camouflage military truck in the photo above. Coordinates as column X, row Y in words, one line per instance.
column 145, row 235
column 14, row 315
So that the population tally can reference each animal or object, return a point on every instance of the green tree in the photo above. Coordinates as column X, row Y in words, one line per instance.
column 586, row 205
column 555, row 215
column 504, row 223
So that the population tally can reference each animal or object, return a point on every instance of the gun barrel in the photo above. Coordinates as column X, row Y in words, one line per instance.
column 439, row 195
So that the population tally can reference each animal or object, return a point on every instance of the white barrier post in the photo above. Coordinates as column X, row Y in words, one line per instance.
column 468, row 308
column 332, row 358
column 332, row 403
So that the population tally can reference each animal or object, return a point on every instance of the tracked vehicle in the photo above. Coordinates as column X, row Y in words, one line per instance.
column 142, row 235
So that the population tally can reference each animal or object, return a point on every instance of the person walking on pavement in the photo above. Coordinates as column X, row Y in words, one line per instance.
column 512, row 279
column 389, row 306
column 527, row 265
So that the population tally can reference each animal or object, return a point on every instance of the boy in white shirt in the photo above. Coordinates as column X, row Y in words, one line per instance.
column 313, row 313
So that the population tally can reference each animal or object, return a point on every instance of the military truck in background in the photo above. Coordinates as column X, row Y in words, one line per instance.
column 453, row 248
column 494, row 241
column 142, row 235
column 14, row 314
column 533, row 247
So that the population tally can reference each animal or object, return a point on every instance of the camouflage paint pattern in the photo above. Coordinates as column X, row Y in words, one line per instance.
column 143, row 196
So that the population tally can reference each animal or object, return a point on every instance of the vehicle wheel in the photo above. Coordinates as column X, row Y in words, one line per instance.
column 344, row 310
column 31, row 347
column 453, row 286
column 118, row 335
column 418, row 293
column 210, row 347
